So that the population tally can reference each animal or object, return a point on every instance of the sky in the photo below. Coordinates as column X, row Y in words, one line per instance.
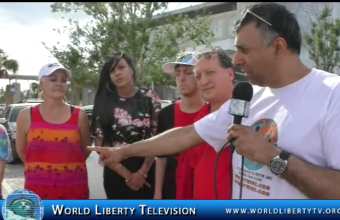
column 23, row 28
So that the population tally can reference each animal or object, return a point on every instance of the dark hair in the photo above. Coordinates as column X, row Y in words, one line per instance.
column 107, row 96
column 273, row 20
column 223, row 58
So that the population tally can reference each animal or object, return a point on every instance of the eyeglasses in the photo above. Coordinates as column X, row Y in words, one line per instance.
column 116, row 55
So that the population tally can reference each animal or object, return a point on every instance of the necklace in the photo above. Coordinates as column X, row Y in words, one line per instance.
column 135, row 89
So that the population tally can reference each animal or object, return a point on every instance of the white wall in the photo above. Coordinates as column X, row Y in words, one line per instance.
column 227, row 44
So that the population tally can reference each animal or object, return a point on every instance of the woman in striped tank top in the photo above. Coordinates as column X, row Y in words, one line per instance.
column 52, row 139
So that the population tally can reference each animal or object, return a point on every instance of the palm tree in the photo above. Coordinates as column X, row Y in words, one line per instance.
column 7, row 65
column 35, row 90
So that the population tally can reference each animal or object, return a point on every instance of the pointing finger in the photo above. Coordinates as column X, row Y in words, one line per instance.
column 102, row 157
column 98, row 149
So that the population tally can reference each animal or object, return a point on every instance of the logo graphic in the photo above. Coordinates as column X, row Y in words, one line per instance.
column 268, row 128
column 22, row 204
column 185, row 57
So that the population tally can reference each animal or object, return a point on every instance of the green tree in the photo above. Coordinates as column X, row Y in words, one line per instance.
column 7, row 64
column 133, row 28
column 323, row 41
column 34, row 90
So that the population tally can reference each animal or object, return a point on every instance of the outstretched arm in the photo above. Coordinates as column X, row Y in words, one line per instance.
column 170, row 142
column 212, row 128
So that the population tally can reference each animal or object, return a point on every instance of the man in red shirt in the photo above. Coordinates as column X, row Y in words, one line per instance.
column 214, row 75
column 174, row 175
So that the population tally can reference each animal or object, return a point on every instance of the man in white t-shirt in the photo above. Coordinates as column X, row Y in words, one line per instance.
column 291, row 139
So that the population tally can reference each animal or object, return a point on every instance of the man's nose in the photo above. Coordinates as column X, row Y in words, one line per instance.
column 237, row 60
column 182, row 77
column 204, row 80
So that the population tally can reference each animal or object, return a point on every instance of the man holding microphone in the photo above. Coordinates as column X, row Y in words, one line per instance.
column 291, row 148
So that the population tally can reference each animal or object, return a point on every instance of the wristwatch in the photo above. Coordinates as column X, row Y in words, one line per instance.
column 278, row 164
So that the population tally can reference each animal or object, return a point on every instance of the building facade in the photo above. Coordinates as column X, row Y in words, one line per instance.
column 224, row 14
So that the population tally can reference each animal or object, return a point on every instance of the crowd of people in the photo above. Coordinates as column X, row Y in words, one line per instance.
column 287, row 147
column 286, row 150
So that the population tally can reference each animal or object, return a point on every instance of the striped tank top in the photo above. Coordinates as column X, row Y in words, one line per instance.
column 55, row 167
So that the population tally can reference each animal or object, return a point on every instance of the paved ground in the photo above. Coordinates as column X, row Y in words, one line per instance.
column 14, row 178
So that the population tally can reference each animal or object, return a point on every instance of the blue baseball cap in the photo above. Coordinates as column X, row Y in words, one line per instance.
column 186, row 58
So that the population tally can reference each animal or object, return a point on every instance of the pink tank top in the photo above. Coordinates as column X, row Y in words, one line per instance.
column 55, row 167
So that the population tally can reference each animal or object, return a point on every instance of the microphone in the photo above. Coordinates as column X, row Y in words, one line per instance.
column 239, row 108
column 240, row 104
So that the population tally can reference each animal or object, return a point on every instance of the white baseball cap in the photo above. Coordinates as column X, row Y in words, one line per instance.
column 186, row 58
column 50, row 68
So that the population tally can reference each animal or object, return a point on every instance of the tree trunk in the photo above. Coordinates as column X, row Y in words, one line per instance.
column 74, row 94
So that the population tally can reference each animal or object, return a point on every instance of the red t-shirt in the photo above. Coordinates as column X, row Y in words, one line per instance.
column 203, row 164
column 184, row 170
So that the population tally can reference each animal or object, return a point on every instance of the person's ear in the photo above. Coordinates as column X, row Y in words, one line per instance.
column 280, row 47
column 231, row 74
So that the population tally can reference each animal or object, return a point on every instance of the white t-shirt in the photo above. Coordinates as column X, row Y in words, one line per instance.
column 303, row 118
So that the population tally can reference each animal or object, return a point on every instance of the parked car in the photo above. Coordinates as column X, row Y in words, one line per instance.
column 2, row 109
column 165, row 103
column 88, row 111
column 31, row 101
column 9, row 121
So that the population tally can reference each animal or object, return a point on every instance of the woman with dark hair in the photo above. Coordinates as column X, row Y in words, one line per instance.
column 124, row 114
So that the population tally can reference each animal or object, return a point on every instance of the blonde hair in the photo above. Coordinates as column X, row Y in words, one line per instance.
column 41, row 95
column 42, row 78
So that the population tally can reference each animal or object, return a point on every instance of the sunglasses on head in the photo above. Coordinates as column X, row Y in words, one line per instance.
column 248, row 11
column 116, row 56
column 258, row 17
